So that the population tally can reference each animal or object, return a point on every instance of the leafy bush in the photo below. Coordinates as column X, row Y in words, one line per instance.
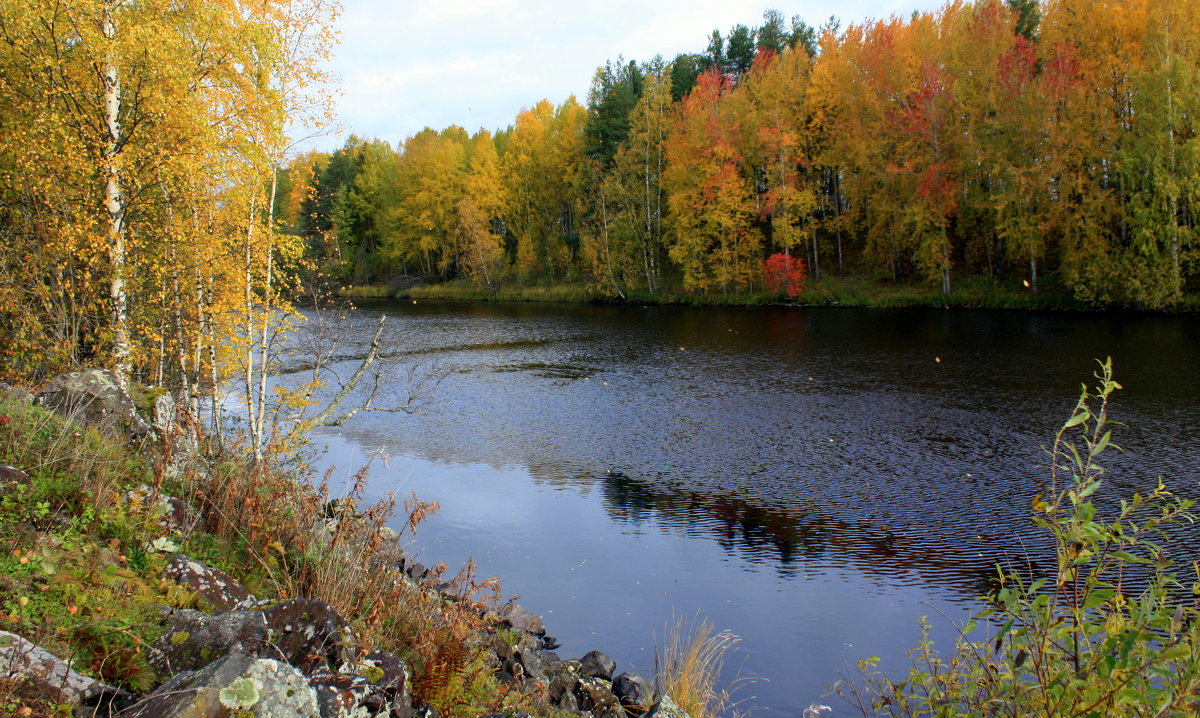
column 1112, row 631
column 783, row 274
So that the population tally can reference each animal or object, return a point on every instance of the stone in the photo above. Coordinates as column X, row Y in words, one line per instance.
column 562, row 692
column 598, row 665
column 634, row 692
column 162, row 414
column 21, row 658
column 308, row 634
column 595, row 695
column 94, row 397
column 520, row 619
column 174, row 515
column 219, row 589
column 396, row 674
column 262, row 687
column 347, row 695
column 12, row 393
column 196, row 639
column 12, row 477
column 375, row 685
column 667, row 708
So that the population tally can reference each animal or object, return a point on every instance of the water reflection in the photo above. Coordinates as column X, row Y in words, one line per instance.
column 806, row 478
column 790, row 539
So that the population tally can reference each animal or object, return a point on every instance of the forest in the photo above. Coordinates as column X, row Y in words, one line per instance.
column 139, row 143
column 155, row 211
column 1046, row 146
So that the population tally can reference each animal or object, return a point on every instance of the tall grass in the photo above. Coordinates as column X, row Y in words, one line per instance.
column 688, row 666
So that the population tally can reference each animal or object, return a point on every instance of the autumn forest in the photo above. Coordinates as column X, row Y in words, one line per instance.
column 1045, row 145
column 155, row 210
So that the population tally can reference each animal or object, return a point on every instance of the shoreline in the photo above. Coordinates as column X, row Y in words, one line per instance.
column 976, row 293
column 244, row 588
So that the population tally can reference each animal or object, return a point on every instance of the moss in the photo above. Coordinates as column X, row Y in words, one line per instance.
column 179, row 638
column 372, row 673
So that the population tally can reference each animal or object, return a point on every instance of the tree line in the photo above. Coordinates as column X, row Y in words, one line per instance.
column 1045, row 144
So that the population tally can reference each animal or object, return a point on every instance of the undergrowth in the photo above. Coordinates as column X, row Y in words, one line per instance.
column 80, row 573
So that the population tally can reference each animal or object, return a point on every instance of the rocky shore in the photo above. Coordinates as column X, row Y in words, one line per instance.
column 231, row 653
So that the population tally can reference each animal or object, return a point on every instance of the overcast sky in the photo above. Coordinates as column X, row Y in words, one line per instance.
column 406, row 64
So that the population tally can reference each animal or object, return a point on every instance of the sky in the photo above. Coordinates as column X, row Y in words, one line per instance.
column 403, row 65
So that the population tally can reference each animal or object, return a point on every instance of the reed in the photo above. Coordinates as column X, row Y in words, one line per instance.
column 688, row 667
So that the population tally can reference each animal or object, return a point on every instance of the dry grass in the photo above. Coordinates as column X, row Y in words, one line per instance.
column 351, row 564
column 688, row 667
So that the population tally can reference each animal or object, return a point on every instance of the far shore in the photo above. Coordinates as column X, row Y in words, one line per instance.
column 970, row 293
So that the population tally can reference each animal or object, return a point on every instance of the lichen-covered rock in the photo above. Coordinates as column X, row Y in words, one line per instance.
column 520, row 619
column 394, row 674
column 667, row 708
column 564, row 685
column 634, row 692
column 308, row 634
column 22, row 659
column 595, row 695
column 174, row 514
column 597, row 665
column 11, row 477
column 162, row 414
column 376, row 685
column 346, row 695
column 219, row 589
column 263, row 687
column 196, row 639
column 94, row 397
column 12, row 393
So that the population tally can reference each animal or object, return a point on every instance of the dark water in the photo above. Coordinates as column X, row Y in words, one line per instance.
column 812, row 480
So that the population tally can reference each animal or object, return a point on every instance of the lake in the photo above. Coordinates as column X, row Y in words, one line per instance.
column 813, row 480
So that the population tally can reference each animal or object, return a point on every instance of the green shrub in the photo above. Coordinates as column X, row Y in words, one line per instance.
column 1082, row 641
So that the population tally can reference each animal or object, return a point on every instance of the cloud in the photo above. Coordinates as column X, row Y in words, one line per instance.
column 408, row 65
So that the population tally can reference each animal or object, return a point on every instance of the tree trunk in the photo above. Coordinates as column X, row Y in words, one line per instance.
column 114, row 203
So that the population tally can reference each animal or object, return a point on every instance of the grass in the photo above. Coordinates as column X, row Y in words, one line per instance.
column 79, row 574
column 688, row 667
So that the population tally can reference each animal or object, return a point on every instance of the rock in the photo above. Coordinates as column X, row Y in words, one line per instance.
column 174, row 515
column 396, row 674
column 23, row 659
column 597, row 665
column 340, row 507
column 595, row 695
column 196, row 639
column 563, row 688
column 219, row 589
column 667, row 708
column 308, row 634
column 634, row 692
column 94, row 397
column 520, row 619
column 347, row 695
column 11, row 477
column 12, row 393
column 262, row 687
column 162, row 414
column 373, row 686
